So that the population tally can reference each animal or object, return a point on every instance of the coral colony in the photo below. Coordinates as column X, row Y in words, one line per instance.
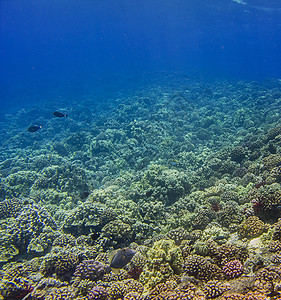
column 180, row 188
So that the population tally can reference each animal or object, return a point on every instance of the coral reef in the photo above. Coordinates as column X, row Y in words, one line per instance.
column 177, row 235
column 90, row 269
column 186, row 173
column 214, row 288
column 201, row 268
column 233, row 269
column 163, row 260
column 10, row 207
column 251, row 227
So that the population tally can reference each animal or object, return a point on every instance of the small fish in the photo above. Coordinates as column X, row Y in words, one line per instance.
column 118, row 259
column 59, row 114
column 34, row 128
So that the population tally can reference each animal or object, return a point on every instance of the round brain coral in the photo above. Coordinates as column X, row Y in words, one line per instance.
column 233, row 269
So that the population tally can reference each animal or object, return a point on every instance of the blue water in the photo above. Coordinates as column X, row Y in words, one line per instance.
column 58, row 48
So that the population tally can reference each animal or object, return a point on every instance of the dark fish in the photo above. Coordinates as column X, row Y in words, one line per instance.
column 34, row 128
column 59, row 114
column 120, row 258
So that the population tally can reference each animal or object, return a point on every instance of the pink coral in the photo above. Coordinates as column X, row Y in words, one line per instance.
column 233, row 269
column 97, row 293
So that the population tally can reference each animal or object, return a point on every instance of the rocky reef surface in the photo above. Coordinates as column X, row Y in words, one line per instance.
column 187, row 173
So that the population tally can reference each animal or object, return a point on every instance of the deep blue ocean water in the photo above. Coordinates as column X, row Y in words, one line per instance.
column 52, row 49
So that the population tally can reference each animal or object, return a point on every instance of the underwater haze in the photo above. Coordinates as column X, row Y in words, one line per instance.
column 140, row 150
column 71, row 46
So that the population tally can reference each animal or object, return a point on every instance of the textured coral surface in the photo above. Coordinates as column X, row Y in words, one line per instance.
column 186, row 173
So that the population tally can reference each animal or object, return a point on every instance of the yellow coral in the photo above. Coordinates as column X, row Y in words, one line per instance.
column 163, row 260
column 7, row 252
column 251, row 227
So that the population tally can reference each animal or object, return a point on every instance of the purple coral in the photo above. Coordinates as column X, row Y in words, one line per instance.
column 233, row 269
column 97, row 293
column 90, row 269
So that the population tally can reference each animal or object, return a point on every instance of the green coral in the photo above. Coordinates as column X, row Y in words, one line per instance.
column 163, row 260
column 216, row 233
